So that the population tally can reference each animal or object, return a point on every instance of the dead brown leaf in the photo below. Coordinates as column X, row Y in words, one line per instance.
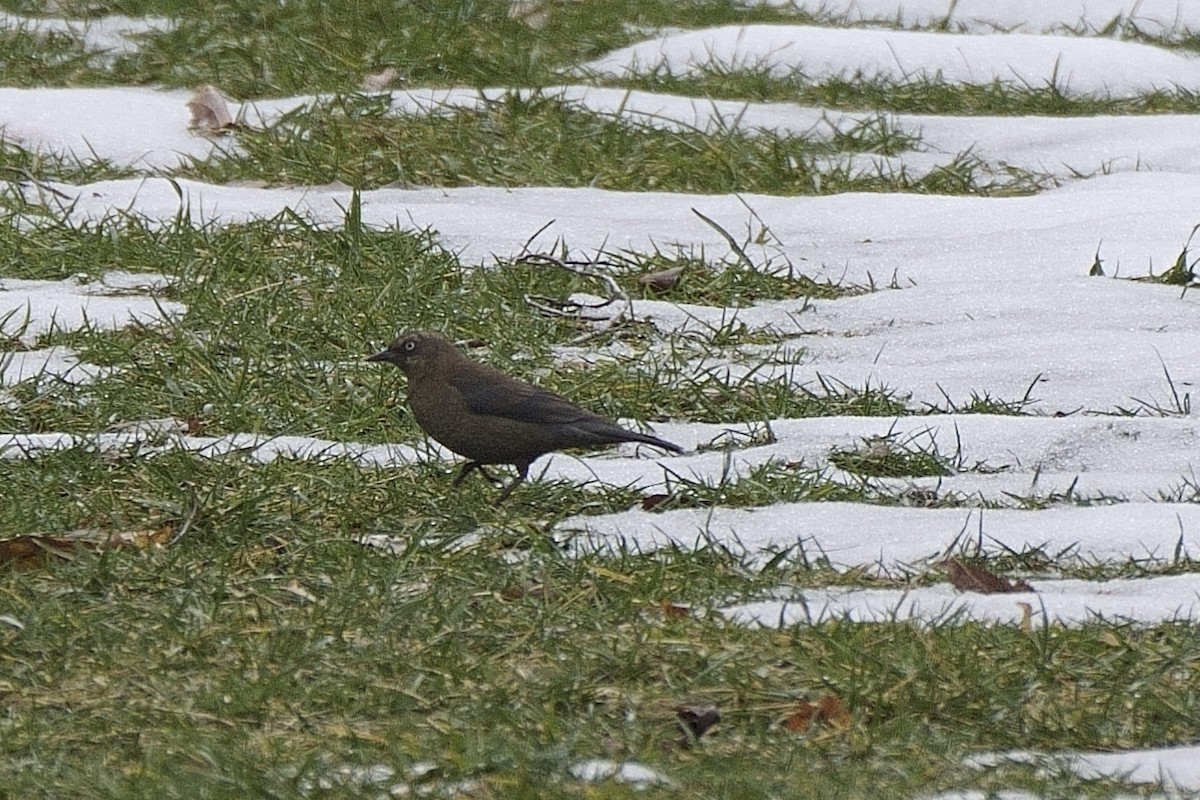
column 663, row 280
column 974, row 578
column 651, row 501
column 33, row 552
column 696, row 720
column 532, row 13
column 829, row 710
column 671, row 611
column 210, row 112
column 517, row 590
column 378, row 81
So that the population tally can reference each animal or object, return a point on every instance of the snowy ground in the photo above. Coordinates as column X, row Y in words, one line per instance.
column 993, row 296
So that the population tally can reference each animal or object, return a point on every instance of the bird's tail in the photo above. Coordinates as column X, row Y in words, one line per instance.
column 645, row 438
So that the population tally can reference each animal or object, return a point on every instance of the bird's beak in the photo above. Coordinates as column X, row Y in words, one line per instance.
column 382, row 355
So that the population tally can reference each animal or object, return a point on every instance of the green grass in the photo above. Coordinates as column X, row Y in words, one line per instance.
column 30, row 169
column 28, row 59
column 266, row 652
column 244, row 359
column 251, row 49
column 916, row 96
column 266, row 647
column 542, row 141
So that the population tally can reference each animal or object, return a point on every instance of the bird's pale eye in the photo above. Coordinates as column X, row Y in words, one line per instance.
column 410, row 346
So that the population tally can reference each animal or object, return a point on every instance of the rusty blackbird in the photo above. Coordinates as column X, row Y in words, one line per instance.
column 490, row 418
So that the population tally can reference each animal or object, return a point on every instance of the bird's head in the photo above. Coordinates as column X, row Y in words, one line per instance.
column 417, row 353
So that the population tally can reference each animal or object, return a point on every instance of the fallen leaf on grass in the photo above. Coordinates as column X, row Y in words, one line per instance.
column 974, row 578
column 611, row 575
column 33, row 552
column 210, row 112
column 652, row 501
column 696, row 720
column 663, row 280
column 531, row 13
column 30, row 552
column 378, row 81
column 295, row 588
column 671, row 611
column 516, row 591
column 829, row 710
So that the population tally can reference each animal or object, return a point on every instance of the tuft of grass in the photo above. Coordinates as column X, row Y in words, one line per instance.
column 30, row 170
column 30, row 59
column 891, row 456
column 531, row 139
column 1182, row 272
column 763, row 485
column 254, row 50
column 730, row 284
column 915, row 96
column 983, row 402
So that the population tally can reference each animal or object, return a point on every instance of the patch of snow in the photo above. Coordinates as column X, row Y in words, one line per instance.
column 637, row 775
column 112, row 35
column 1058, row 602
column 1075, row 66
column 30, row 309
column 1160, row 18
column 994, row 292
column 124, row 126
column 94, row 124
column 1176, row 767
column 853, row 535
column 156, row 438
column 57, row 362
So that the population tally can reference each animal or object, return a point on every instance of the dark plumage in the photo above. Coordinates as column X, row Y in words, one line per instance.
column 490, row 418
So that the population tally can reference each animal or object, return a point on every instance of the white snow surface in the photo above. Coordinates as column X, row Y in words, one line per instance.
column 1177, row 768
column 639, row 776
column 1158, row 18
column 1075, row 65
column 890, row 538
column 132, row 127
column 153, row 437
column 110, row 35
column 58, row 361
column 30, row 309
column 1057, row 602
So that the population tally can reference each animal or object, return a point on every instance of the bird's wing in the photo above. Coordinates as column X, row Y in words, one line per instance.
column 515, row 400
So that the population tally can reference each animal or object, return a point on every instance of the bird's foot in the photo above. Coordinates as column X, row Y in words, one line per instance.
column 522, row 473
column 467, row 469
column 506, row 492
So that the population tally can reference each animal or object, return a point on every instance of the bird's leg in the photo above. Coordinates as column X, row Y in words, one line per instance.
column 522, row 473
column 466, row 470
